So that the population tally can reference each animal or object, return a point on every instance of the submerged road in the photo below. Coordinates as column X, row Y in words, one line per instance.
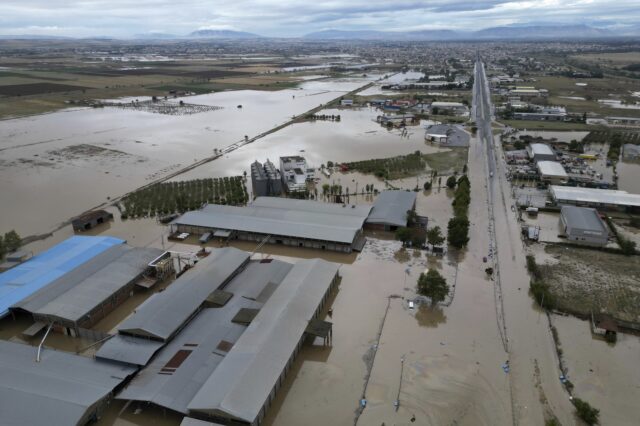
column 536, row 392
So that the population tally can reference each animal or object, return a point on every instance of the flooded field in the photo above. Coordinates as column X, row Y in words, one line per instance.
column 355, row 137
column 600, row 371
column 550, row 134
column 629, row 176
column 73, row 160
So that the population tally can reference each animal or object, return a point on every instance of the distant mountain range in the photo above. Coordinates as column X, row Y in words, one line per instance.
column 511, row 32
column 222, row 34
column 538, row 31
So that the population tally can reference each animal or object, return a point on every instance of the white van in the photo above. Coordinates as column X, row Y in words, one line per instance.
column 411, row 304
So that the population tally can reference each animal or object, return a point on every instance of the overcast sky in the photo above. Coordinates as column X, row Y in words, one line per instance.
column 123, row 18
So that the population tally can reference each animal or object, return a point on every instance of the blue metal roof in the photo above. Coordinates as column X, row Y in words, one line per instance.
column 42, row 269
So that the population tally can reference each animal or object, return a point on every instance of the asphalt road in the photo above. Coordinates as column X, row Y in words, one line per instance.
column 536, row 392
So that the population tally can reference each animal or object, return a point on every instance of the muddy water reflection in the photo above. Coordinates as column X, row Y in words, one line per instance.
column 430, row 316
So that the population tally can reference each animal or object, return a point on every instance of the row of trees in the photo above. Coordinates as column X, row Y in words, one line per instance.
column 9, row 243
column 171, row 197
column 390, row 168
column 458, row 227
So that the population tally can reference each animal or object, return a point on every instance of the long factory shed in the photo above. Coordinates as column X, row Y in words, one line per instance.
column 300, row 223
column 84, row 295
column 43, row 269
column 224, row 359
column 60, row 389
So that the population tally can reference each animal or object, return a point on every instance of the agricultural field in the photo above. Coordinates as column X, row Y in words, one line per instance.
column 620, row 62
column 32, row 84
column 580, row 99
column 546, row 125
column 178, row 197
column 605, row 136
column 584, row 281
column 413, row 164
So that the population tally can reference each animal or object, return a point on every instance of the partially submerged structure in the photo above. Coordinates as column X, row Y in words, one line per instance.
column 266, row 180
column 226, row 335
column 299, row 223
column 295, row 173
column 60, row 389
column 41, row 270
column 88, row 220
column 583, row 225
column 390, row 210
column 87, row 293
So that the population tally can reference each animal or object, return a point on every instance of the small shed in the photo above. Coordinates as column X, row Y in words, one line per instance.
column 91, row 219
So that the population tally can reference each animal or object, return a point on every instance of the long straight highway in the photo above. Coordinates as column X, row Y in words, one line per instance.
column 537, row 394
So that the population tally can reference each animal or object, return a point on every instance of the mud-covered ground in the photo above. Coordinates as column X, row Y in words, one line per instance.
column 585, row 281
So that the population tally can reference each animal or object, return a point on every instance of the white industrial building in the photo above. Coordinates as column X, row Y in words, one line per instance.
column 583, row 225
column 599, row 198
column 295, row 173
column 540, row 152
column 552, row 172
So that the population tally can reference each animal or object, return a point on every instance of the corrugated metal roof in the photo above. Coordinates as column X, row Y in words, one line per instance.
column 44, row 268
column 163, row 314
column 594, row 196
column 190, row 421
column 283, row 216
column 202, row 336
column 583, row 218
column 390, row 208
column 241, row 384
column 58, row 390
column 551, row 168
column 540, row 149
column 81, row 290
column 129, row 349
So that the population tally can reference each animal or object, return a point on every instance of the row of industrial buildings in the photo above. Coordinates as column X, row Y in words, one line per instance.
column 214, row 343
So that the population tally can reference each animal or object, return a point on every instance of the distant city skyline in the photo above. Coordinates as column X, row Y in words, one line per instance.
column 282, row 18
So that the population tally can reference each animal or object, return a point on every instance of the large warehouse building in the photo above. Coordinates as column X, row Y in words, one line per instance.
column 87, row 293
column 60, row 389
column 583, row 226
column 597, row 198
column 300, row 223
column 540, row 152
column 390, row 210
column 41, row 270
column 552, row 172
column 226, row 335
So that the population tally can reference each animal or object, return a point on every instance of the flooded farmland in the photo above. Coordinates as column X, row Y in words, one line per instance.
column 430, row 365
column 79, row 158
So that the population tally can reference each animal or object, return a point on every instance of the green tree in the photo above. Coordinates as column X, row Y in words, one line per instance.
column 433, row 285
column 418, row 237
column 434, row 236
column 628, row 247
column 3, row 249
column 586, row 412
column 451, row 182
column 458, row 231
column 403, row 234
column 12, row 241
column 412, row 217
column 427, row 185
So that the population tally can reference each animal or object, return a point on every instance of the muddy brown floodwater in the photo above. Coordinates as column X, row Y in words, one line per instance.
column 75, row 159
